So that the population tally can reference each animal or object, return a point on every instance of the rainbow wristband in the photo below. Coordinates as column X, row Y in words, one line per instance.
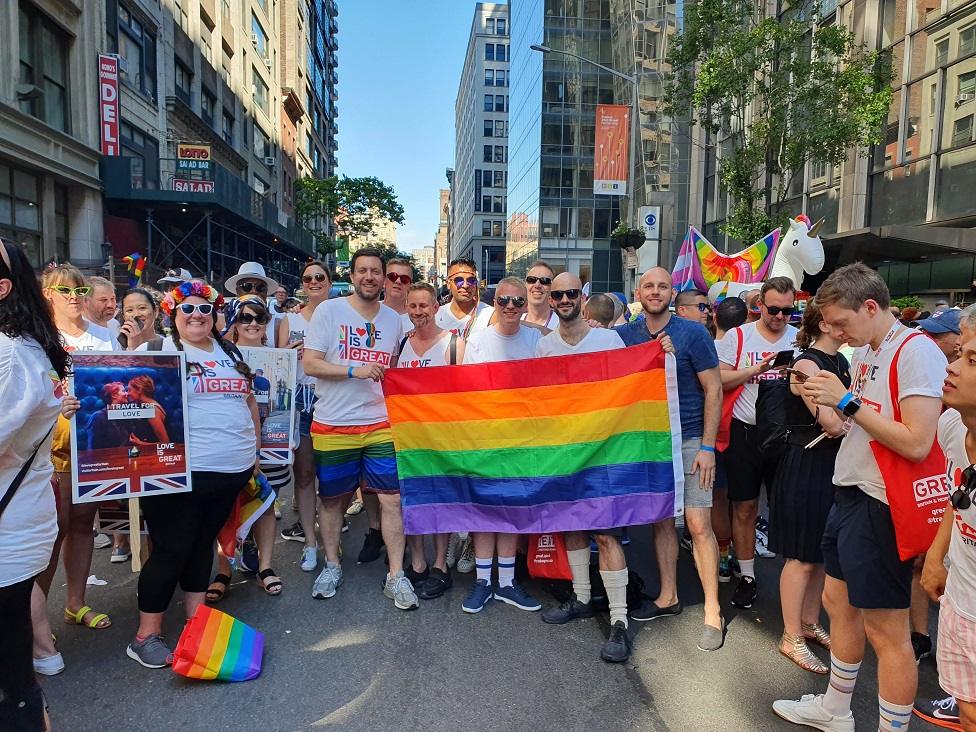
column 847, row 399
column 707, row 448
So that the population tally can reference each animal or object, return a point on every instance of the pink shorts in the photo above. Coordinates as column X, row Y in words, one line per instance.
column 957, row 653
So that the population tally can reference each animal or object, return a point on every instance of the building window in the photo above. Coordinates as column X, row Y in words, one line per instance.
column 485, row 227
column 498, row 228
column 490, row 25
column 941, row 52
column 499, row 179
column 486, row 178
column 20, row 218
column 500, row 52
column 500, row 78
column 499, row 153
column 225, row 65
column 498, row 204
column 488, row 128
column 489, row 103
column 184, row 82
column 967, row 40
column 499, row 102
column 261, row 185
column 262, row 144
column 208, row 103
column 227, row 128
column 180, row 16
column 137, row 47
column 44, row 49
column 489, row 52
column 499, row 128
column 258, row 37
column 962, row 130
column 259, row 89
column 500, row 26
column 486, row 204
column 967, row 88
column 143, row 150
column 489, row 77
column 486, row 158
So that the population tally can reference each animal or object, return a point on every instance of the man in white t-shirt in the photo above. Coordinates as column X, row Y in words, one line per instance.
column 100, row 307
column 867, row 592
column 349, row 344
column 538, row 282
column 574, row 335
column 399, row 277
column 506, row 340
column 465, row 313
column 746, row 355
column 955, row 588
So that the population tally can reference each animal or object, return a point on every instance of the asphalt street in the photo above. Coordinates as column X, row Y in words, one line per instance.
column 354, row 662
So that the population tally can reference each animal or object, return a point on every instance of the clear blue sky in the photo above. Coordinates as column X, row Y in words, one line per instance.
column 399, row 68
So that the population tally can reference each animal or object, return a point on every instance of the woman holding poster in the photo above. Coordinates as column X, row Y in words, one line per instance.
column 33, row 363
column 222, row 420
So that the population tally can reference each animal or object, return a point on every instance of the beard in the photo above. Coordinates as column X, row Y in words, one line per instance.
column 366, row 296
column 572, row 314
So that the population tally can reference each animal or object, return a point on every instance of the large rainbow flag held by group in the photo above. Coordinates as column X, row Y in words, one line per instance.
column 700, row 265
column 556, row 444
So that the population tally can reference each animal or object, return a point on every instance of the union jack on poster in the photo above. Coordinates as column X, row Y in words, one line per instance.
column 101, row 490
column 166, row 483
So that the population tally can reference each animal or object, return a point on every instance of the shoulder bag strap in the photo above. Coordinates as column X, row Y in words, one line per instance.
column 739, row 338
column 21, row 474
column 453, row 349
column 893, row 378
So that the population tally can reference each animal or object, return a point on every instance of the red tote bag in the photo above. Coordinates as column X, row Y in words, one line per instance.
column 917, row 492
column 728, row 402
column 548, row 558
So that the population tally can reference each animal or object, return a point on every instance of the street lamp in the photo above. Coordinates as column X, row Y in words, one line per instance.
column 634, row 121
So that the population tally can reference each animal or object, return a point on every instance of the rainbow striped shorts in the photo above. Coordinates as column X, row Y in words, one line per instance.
column 347, row 457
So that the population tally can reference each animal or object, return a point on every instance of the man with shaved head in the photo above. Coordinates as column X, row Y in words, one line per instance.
column 700, row 405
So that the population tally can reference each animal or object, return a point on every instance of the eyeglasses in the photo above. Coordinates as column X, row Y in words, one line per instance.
column 557, row 295
column 462, row 281
column 960, row 498
column 401, row 278
column 248, row 318
column 532, row 279
column 703, row 307
column 204, row 308
column 774, row 311
column 83, row 291
column 259, row 287
column 507, row 300
column 317, row 277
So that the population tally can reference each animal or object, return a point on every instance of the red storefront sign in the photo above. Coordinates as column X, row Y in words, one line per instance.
column 108, row 103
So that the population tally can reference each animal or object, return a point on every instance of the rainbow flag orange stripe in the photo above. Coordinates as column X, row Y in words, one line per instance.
column 556, row 444
column 217, row 646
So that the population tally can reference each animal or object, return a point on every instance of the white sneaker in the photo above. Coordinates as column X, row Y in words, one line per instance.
column 809, row 711
column 310, row 559
column 327, row 582
column 102, row 541
column 49, row 666
column 465, row 563
column 762, row 548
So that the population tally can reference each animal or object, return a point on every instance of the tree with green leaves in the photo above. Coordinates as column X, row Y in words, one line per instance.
column 776, row 94
column 356, row 205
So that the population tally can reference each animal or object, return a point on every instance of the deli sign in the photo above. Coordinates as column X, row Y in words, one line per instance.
column 108, row 103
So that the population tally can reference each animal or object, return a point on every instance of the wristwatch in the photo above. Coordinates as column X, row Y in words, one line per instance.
column 850, row 409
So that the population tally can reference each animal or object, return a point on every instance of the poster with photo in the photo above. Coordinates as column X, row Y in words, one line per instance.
column 275, row 375
column 129, row 438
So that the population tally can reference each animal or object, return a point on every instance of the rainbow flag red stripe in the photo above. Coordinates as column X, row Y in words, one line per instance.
column 556, row 444
column 217, row 646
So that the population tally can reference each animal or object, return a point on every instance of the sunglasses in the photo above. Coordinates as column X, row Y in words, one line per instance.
column 462, row 281
column 532, row 279
column 557, row 295
column 401, row 278
column 204, row 308
column 960, row 498
column 774, row 311
column 248, row 318
column 703, row 307
column 253, row 286
column 317, row 277
column 83, row 291
column 506, row 300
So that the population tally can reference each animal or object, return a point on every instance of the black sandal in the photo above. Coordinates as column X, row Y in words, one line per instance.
column 273, row 587
column 216, row 595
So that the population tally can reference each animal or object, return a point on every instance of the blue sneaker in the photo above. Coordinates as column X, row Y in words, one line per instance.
column 478, row 597
column 515, row 595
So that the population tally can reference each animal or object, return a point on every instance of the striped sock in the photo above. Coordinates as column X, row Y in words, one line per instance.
column 506, row 571
column 843, row 676
column 893, row 717
column 482, row 568
column 723, row 548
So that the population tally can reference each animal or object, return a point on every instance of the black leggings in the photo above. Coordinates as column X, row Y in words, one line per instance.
column 21, row 703
column 183, row 527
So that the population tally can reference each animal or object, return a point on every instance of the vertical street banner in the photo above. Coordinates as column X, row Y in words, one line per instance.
column 129, row 438
column 108, row 104
column 275, row 377
column 611, row 150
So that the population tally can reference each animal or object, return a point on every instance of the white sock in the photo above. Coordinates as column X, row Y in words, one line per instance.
column 482, row 568
column 843, row 677
column 579, row 563
column 748, row 567
column 615, row 582
column 893, row 717
column 506, row 571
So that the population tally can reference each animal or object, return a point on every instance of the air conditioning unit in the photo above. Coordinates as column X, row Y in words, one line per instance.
column 267, row 62
column 963, row 98
column 254, row 39
column 270, row 161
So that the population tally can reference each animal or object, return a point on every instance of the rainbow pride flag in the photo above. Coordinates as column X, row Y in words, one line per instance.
column 555, row 444
column 136, row 264
column 217, row 646
column 700, row 265
column 254, row 499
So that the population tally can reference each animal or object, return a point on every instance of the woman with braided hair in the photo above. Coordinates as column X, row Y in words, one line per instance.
column 223, row 427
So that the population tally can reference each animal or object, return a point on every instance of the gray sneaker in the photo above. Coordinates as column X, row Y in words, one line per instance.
column 399, row 589
column 327, row 582
column 310, row 559
column 151, row 653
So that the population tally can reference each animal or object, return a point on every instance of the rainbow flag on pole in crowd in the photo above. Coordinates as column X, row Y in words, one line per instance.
column 136, row 264
column 217, row 646
column 254, row 499
column 699, row 265
column 555, row 444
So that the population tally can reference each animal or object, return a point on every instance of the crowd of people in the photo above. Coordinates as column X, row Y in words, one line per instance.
column 800, row 411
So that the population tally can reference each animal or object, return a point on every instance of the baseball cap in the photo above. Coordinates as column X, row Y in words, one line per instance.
column 944, row 321
column 174, row 277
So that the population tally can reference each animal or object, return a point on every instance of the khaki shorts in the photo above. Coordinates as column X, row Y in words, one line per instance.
column 695, row 497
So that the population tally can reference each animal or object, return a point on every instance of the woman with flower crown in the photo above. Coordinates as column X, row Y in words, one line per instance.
column 224, row 429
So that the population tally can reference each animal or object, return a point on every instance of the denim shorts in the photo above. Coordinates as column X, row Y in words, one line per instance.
column 305, row 407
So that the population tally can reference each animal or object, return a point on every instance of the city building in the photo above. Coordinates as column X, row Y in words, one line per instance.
column 50, row 192
column 479, row 191
column 424, row 257
column 217, row 101
column 384, row 234
column 906, row 207
column 441, row 239
column 554, row 213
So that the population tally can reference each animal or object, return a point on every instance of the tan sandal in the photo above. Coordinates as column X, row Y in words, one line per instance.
column 816, row 633
column 799, row 653
column 99, row 621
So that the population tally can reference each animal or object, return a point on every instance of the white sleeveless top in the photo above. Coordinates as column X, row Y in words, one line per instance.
column 437, row 355
column 296, row 332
